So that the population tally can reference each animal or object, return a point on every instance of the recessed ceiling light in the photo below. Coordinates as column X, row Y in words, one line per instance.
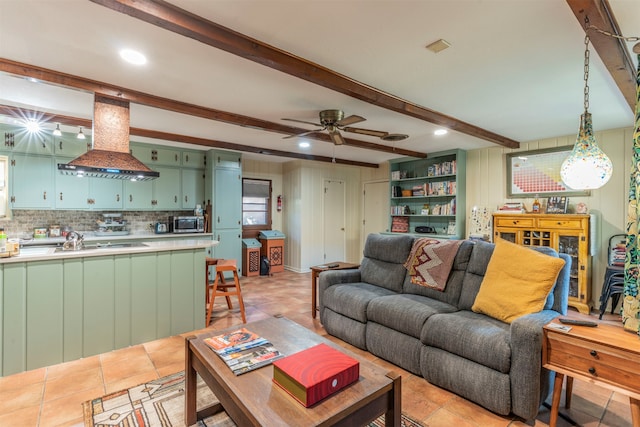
column 133, row 57
column 440, row 132
column 32, row 125
column 304, row 144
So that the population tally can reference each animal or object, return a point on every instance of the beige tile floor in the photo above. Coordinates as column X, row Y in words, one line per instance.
column 52, row 396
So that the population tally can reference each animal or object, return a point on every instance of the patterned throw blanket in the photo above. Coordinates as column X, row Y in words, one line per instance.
column 430, row 261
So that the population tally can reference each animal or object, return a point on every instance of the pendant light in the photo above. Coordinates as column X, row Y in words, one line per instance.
column 587, row 167
column 80, row 134
column 57, row 131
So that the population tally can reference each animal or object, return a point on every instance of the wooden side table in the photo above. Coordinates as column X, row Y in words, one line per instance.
column 606, row 356
column 316, row 270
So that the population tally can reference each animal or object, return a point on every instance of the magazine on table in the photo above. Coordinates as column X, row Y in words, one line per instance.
column 243, row 350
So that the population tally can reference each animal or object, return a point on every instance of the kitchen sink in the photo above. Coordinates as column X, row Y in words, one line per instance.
column 98, row 246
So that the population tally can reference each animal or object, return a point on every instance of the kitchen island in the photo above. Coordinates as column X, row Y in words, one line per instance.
column 59, row 306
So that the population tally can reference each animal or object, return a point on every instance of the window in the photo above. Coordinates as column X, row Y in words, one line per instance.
column 256, row 206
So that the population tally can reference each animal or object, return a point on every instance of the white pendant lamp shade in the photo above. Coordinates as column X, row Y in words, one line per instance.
column 587, row 167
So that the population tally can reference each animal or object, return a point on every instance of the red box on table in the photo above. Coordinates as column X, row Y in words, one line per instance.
column 315, row 373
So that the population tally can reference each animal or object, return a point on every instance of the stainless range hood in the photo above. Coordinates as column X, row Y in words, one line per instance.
column 110, row 156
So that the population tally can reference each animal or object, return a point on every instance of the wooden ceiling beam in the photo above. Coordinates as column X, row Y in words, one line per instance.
column 19, row 112
column 94, row 86
column 612, row 50
column 180, row 21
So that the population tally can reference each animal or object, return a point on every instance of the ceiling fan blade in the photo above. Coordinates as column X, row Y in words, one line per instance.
column 302, row 121
column 302, row 134
column 352, row 119
column 369, row 132
column 336, row 137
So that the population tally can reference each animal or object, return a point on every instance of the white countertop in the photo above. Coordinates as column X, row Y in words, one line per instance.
column 44, row 253
column 90, row 236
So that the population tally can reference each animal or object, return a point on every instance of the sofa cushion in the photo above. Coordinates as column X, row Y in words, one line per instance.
column 384, row 256
column 451, row 294
column 477, row 267
column 352, row 299
column 405, row 312
column 517, row 282
column 472, row 336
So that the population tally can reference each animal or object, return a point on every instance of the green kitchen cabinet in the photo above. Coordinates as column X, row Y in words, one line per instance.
column 152, row 155
column 163, row 193
column 223, row 186
column 68, row 145
column 138, row 195
column 71, row 192
column 19, row 140
column 227, row 211
column 227, row 160
column 31, row 182
column 194, row 159
column 167, row 189
column 230, row 244
column 64, row 309
column 106, row 194
column 192, row 188
column 74, row 192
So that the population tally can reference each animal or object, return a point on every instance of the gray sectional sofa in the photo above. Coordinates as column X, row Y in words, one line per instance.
column 436, row 334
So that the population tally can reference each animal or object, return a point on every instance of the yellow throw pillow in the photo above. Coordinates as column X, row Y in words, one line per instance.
column 517, row 282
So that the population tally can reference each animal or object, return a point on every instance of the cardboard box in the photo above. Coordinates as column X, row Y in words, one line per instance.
column 315, row 373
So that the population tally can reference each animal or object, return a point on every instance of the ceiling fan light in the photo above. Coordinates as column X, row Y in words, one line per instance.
column 394, row 137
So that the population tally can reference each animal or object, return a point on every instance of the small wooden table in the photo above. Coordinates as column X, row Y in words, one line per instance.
column 315, row 272
column 252, row 399
column 605, row 355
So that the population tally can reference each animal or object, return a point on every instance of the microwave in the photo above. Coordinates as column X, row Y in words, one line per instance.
column 186, row 224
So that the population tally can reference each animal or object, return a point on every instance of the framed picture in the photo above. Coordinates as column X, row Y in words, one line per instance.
column 538, row 172
column 557, row 205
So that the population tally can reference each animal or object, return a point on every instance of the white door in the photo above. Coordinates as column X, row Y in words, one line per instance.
column 334, row 234
column 375, row 217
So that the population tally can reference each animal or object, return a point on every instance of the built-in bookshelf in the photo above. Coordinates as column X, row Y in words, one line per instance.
column 429, row 194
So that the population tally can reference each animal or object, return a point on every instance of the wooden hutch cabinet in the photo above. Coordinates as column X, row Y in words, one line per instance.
column 566, row 233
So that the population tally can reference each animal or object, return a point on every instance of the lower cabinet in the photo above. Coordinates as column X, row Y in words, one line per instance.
column 62, row 310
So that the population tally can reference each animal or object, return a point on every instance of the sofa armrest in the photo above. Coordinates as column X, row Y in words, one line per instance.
column 328, row 278
column 528, row 384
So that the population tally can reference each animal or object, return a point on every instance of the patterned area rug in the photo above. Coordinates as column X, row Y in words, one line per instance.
column 160, row 403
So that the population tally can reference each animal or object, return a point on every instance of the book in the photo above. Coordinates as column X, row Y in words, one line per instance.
column 243, row 351
column 315, row 373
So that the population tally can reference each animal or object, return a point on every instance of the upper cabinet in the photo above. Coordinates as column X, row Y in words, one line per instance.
column 152, row 155
column 194, row 159
column 19, row 140
column 69, row 146
column 31, row 182
column 35, row 183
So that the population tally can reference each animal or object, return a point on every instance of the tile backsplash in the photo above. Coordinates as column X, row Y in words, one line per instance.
column 23, row 222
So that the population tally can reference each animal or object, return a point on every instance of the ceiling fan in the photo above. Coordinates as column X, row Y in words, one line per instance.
column 334, row 121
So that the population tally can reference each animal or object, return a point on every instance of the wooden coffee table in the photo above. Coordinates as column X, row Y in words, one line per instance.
column 252, row 399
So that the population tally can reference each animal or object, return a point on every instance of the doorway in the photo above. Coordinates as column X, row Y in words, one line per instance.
column 375, row 209
column 333, row 206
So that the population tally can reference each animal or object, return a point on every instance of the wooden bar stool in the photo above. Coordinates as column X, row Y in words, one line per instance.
column 221, row 288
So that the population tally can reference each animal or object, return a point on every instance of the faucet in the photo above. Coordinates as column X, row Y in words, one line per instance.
column 74, row 242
